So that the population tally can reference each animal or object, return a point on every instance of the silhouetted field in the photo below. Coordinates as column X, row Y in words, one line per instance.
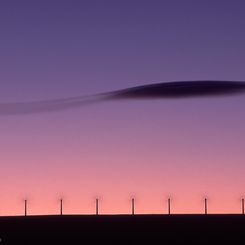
column 123, row 229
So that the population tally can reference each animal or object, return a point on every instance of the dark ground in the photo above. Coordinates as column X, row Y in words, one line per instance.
column 123, row 229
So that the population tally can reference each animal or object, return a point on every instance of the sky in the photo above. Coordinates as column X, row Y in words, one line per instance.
column 186, row 149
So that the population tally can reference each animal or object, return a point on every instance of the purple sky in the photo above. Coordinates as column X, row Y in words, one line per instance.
column 54, row 49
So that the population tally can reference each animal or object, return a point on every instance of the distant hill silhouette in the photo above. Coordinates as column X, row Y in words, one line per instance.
column 122, row 229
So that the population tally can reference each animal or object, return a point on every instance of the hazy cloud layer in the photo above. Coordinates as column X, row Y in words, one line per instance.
column 174, row 90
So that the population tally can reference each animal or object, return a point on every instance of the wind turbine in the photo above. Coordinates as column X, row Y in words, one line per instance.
column 97, row 206
column 61, row 206
column 205, row 206
column 133, row 205
column 242, row 206
column 169, row 206
column 25, row 207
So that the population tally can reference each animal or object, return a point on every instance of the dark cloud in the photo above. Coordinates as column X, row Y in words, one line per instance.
column 172, row 90
column 181, row 90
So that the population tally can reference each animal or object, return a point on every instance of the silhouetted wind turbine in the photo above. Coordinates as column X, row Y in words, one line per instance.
column 97, row 206
column 243, row 206
column 169, row 206
column 206, row 206
column 25, row 207
column 61, row 206
column 133, row 206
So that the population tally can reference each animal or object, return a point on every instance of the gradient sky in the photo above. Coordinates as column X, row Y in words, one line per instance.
column 187, row 149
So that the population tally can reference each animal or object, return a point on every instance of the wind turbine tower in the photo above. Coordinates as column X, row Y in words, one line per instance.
column 206, row 206
column 169, row 206
column 97, row 206
column 243, row 206
column 25, row 207
column 61, row 207
column 133, row 206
